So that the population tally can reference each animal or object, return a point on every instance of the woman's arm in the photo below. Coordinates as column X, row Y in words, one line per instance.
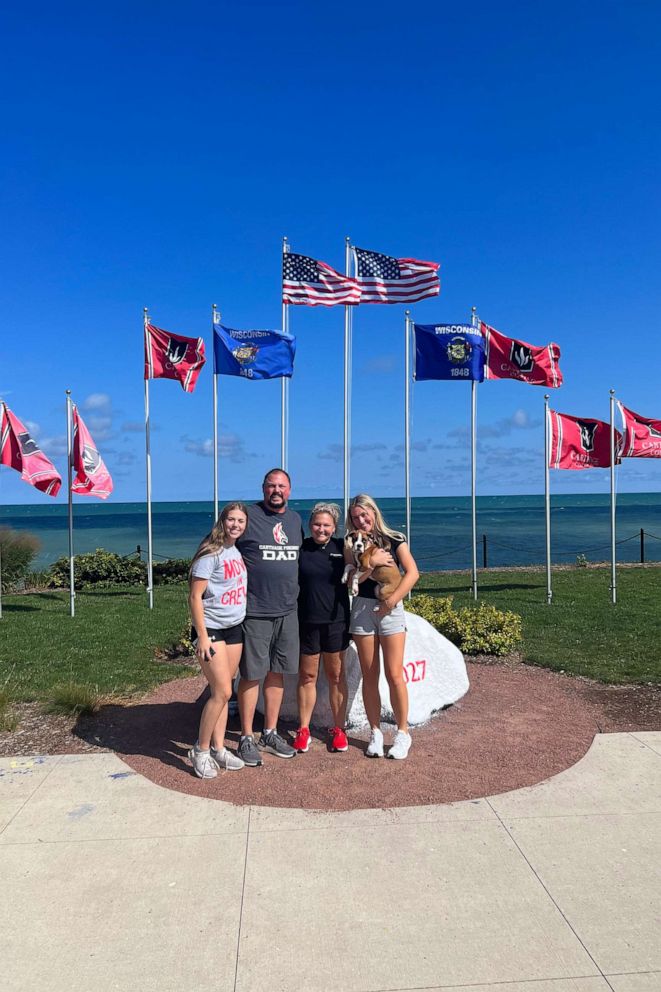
column 198, row 587
column 408, row 580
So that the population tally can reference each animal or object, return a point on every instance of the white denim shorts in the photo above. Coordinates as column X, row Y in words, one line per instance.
column 365, row 619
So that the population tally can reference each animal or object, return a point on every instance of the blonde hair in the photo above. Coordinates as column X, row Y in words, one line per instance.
column 215, row 539
column 332, row 509
column 381, row 533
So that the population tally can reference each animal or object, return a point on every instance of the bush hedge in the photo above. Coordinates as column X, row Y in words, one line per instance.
column 17, row 552
column 98, row 568
column 481, row 629
column 171, row 571
column 105, row 568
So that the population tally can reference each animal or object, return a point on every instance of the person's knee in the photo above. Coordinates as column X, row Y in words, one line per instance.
column 335, row 676
column 306, row 678
column 395, row 679
column 220, row 695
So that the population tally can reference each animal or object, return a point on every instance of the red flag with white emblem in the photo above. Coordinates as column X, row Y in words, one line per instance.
column 642, row 435
column 507, row 358
column 579, row 442
column 18, row 450
column 173, row 356
column 92, row 477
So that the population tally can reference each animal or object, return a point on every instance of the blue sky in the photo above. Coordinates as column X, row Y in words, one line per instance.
column 154, row 154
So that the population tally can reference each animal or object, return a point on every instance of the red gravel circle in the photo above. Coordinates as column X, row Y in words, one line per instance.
column 516, row 726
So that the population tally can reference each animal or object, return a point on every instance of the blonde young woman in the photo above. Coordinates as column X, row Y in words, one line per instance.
column 323, row 621
column 380, row 624
column 217, row 601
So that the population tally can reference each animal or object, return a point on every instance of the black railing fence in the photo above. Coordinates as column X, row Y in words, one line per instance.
column 534, row 555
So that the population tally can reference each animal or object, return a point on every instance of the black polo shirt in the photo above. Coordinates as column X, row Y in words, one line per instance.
column 322, row 597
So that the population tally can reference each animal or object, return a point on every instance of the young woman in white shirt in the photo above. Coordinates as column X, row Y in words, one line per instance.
column 217, row 601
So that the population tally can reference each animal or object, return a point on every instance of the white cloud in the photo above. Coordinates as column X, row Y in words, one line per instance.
column 99, row 402
column 230, row 447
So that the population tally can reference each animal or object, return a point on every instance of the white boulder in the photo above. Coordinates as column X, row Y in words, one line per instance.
column 434, row 669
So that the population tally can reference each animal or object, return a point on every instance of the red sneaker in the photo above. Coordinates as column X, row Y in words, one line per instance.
column 339, row 740
column 302, row 740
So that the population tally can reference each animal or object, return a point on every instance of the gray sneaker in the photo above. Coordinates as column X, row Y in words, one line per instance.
column 226, row 760
column 203, row 764
column 248, row 752
column 275, row 744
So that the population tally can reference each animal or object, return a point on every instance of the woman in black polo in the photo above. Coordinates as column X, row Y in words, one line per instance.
column 323, row 617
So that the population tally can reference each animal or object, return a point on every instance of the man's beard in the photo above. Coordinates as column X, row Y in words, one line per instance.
column 277, row 496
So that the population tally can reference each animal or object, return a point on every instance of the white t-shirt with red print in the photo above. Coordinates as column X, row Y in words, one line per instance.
column 224, row 598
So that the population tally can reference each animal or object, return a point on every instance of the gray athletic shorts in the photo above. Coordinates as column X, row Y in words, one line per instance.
column 270, row 644
column 364, row 619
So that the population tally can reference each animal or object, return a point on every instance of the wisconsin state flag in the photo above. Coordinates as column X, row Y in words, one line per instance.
column 172, row 356
column 581, row 443
column 20, row 451
column 92, row 477
column 507, row 358
column 642, row 435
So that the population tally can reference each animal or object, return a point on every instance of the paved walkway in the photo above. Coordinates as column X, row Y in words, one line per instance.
column 109, row 882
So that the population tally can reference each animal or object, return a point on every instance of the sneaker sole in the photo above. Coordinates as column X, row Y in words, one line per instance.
column 339, row 750
column 374, row 754
column 398, row 757
column 252, row 764
column 303, row 750
column 272, row 750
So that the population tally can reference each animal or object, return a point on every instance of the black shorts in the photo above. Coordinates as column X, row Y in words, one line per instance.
column 318, row 637
column 231, row 635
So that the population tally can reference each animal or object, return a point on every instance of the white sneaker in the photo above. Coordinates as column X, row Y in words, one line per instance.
column 401, row 745
column 375, row 746
column 226, row 760
column 203, row 764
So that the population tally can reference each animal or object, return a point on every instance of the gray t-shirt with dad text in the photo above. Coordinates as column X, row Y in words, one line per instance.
column 224, row 598
column 270, row 547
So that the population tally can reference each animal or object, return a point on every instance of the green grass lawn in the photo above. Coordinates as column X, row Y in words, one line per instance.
column 109, row 644
column 581, row 632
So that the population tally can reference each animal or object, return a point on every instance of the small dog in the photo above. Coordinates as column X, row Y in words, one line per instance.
column 362, row 547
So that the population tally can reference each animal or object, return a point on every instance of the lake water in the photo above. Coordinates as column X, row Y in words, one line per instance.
column 440, row 527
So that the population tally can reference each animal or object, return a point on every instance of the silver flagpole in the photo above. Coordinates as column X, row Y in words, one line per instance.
column 347, row 384
column 215, row 316
column 473, row 467
column 407, row 421
column 150, row 584
column 547, row 501
column 612, row 446
column 72, row 591
column 284, row 383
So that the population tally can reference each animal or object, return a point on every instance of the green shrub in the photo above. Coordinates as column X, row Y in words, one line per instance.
column 98, row 568
column 17, row 551
column 479, row 629
column 171, row 571
column 72, row 699
column 487, row 630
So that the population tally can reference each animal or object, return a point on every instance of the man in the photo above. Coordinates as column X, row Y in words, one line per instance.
column 270, row 547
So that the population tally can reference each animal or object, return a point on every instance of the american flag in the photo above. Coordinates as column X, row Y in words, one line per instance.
column 313, row 283
column 383, row 279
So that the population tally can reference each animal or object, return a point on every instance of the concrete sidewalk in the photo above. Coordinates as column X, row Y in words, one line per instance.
column 112, row 883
